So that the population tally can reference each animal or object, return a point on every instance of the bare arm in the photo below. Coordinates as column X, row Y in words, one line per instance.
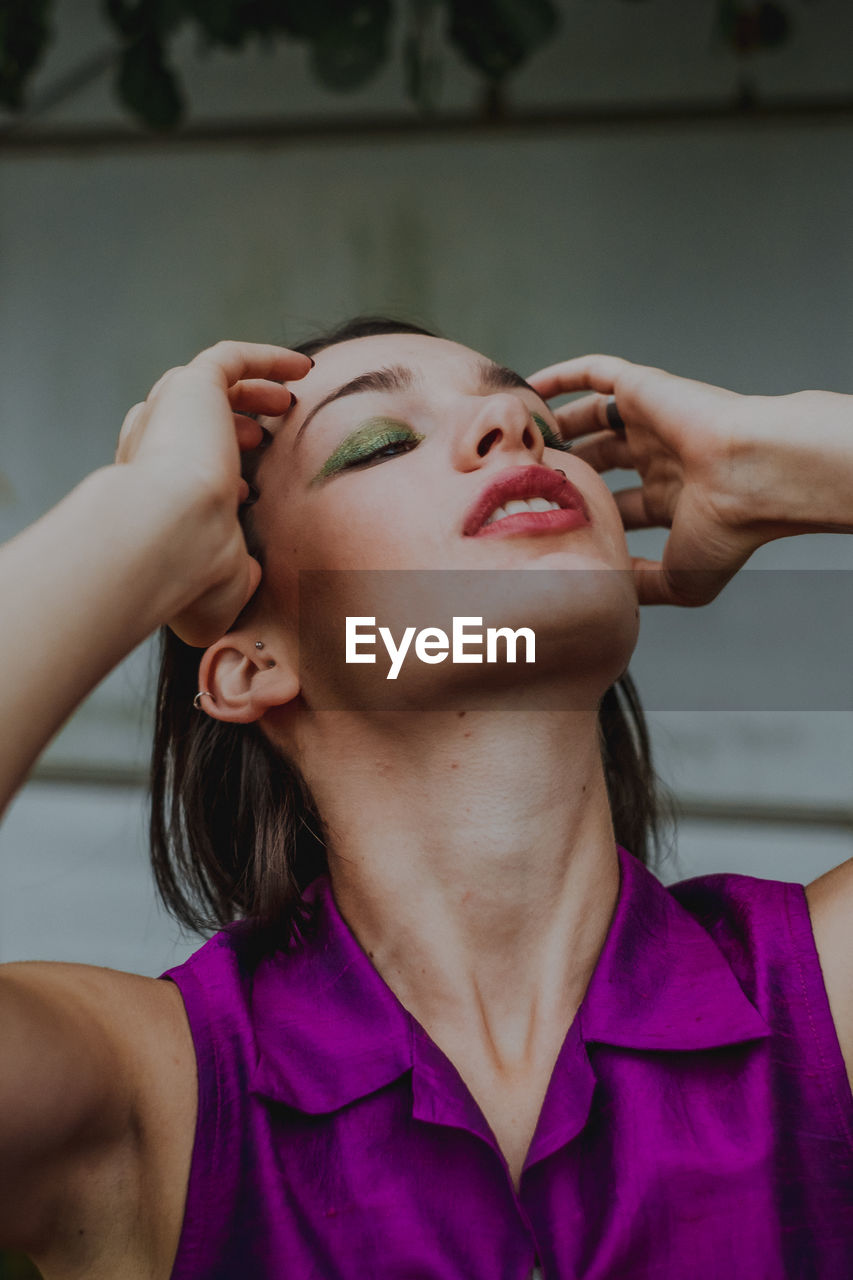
column 154, row 539
column 82, row 587
column 830, row 901
column 63, row 1082
column 724, row 473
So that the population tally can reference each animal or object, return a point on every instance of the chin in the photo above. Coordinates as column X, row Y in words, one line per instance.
column 584, row 618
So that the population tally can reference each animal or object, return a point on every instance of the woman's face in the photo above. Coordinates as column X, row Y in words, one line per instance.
column 392, row 444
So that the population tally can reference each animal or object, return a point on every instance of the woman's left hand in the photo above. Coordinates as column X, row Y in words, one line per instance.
column 724, row 472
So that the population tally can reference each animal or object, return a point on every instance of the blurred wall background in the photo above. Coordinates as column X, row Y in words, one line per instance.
column 632, row 213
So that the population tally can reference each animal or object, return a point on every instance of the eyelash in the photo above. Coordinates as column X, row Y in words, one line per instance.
column 551, row 441
column 379, row 449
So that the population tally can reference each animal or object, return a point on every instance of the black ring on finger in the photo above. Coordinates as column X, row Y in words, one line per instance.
column 614, row 417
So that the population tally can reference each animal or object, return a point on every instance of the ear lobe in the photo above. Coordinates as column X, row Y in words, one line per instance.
column 242, row 688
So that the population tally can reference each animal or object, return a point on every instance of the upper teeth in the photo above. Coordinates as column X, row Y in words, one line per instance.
column 521, row 504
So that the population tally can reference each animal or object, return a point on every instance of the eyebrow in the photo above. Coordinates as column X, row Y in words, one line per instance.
column 497, row 377
column 493, row 377
column 396, row 378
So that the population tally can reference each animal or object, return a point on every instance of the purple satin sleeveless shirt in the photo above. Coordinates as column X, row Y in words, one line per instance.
column 698, row 1122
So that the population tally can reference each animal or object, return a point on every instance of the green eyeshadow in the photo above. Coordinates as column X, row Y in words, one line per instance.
column 368, row 438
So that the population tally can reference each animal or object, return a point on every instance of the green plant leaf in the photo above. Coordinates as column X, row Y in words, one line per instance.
column 348, row 65
column 25, row 33
column 148, row 87
column 318, row 20
column 422, row 74
column 135, row 19
column 748, row 27
column 497, row 36
column 223, row 22
column 350, row 50
column 774, row 25
column 421, row 50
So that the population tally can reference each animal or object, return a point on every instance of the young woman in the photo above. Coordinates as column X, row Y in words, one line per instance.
column 457, row 1028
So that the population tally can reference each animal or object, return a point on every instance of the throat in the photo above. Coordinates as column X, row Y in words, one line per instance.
column 510, row 1101
column 512, row 1113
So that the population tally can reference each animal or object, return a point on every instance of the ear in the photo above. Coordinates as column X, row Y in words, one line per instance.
column 244, row 682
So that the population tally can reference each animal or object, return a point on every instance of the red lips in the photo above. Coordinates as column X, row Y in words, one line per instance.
column 523, row 482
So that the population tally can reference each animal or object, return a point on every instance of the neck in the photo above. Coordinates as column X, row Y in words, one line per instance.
column 473, row 857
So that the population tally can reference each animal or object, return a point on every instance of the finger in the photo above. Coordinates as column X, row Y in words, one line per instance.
column 126, row 432
column 656, row 586
column 239, row 360
column 583, row 373
column 605, row 451
column 258, row 395
column 165, row 377
column 582, row 417
column 650, row 581
column 204, row 622
column 632, row 508
column 687, row 588
column 250, row 434
column 130, row 417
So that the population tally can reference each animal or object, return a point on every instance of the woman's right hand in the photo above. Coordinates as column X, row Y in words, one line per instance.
column 185, row 440
column 724, row 472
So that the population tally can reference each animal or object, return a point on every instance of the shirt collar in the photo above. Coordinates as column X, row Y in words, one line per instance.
column 661, row 982
column 329, row 1029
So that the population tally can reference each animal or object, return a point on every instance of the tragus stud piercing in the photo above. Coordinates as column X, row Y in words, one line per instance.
column 259, row 644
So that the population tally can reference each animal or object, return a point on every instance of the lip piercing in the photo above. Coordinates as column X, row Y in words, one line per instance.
column 202, row 693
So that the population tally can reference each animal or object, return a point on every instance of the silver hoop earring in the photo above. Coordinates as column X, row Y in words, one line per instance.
column 202, row 693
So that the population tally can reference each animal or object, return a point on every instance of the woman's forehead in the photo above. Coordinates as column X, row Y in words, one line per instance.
column 360, row 356
column 391, row 363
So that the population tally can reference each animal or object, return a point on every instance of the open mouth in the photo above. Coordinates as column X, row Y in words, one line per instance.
column 531, row 499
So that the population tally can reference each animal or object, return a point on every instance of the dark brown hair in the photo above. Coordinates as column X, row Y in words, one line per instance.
column 234, row 829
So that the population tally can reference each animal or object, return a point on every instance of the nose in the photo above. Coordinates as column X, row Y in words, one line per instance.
column 502, row 421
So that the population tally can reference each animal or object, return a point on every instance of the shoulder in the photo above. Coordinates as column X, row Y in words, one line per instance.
column 115, row 1023
column 830, row 903
column 114, row 1063
column 760, row 925
column 127, row 1018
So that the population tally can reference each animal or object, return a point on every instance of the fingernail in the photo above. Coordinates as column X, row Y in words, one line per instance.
column 313, row 362
column 614, row 417
column 293, row 400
